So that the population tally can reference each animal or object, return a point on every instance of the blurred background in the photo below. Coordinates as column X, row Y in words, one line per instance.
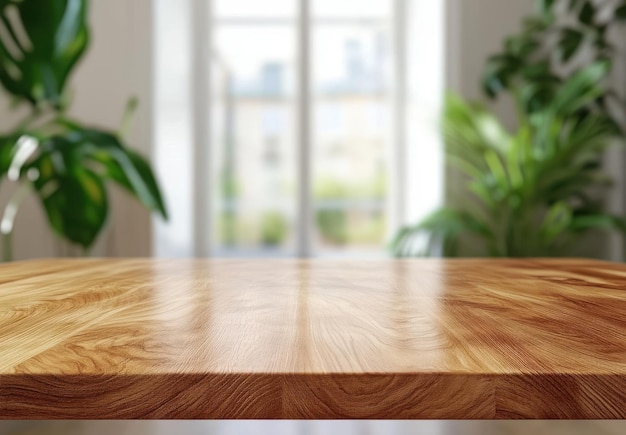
column 312, row 128
column 321, row 128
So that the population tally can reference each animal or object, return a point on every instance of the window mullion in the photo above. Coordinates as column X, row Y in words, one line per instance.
column 397, row 151
column 200, row 94
column 304, row 104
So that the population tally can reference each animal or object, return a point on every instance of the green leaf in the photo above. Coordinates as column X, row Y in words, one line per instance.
column 574, row 4
column 122, row 165
column 57, row 34
column 499, row 73
column 131, row 171
column 600, row 221
column 445, row 225
column 620, row 13
column 73, row 167
column 539, row 71
column 74, row 198
column 516, row 160
column 581, row 89
column 533, row 24
column 587, row 13
column 8, row 149
column 569, row 43
column 537, row 95
column 470, row 130
column 521, row 46
column 546, row 9
column 497, row 169
column 546, row 5
column 556, row 221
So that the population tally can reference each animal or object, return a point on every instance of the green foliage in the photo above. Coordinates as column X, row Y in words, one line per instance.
column 538, row 190
column 230, row 228
column 332, row 188
column 35, row 64
column 367, row 228
column 274, row 229
column 66, row 164
column 535, row 191
column 333, row 225
column 527, row 67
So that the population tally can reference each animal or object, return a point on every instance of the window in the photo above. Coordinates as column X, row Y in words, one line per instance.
column 254, row 151
column 352, row 59
column 297, row 115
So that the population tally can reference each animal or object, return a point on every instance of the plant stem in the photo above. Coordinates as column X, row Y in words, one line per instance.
column 8, row 221
column 127, row 119
column 7, row 247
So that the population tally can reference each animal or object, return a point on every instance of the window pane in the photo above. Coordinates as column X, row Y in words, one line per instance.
column 173, row 123
column 253, row 155
column 256, row 8
column 350, row 135
column 351, row 9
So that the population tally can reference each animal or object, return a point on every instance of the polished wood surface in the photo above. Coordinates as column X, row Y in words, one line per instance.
column 466, row 338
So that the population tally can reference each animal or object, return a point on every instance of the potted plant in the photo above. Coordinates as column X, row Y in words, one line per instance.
column 537, row 191
column 63, row 162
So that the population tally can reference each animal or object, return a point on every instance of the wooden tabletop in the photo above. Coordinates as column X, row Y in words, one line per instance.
column 468, row 338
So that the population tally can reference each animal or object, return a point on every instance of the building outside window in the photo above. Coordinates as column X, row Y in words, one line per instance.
column 303, row 113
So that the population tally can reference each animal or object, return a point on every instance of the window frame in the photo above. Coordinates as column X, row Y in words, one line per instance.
column 202, row 18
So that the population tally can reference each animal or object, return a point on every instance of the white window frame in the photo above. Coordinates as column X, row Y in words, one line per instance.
column 202, row 41
column 405, row 201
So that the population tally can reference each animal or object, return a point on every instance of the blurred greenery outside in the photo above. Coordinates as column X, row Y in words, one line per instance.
column 345, row 213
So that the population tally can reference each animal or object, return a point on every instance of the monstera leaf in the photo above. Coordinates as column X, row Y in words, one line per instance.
column 41, row 43
column 69, row 170
column 66, row 164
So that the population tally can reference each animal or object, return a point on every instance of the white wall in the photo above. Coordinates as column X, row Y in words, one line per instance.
column 117, row 65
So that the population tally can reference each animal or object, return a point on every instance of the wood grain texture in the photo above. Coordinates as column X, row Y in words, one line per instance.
column 96, row 338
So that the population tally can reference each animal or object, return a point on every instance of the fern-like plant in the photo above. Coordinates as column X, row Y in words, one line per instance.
column 536, row 191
